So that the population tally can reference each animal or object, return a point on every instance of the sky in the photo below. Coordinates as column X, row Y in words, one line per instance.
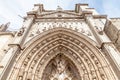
column 10, row 9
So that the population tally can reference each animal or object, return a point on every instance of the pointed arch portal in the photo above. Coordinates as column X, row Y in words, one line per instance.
column 61, row 54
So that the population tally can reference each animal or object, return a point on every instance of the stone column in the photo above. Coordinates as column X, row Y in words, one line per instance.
column 17, row 47
column 113, row 55
column 105, row 43
column 23, row 32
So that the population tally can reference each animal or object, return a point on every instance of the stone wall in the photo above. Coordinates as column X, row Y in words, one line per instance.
column 112, row 29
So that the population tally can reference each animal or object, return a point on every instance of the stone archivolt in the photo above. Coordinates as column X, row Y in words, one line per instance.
column 89, row 61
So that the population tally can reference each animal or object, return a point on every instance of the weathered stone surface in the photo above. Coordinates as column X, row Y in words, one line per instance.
column 61, row 44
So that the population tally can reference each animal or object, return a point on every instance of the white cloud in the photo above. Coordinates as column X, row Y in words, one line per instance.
column 9, row 10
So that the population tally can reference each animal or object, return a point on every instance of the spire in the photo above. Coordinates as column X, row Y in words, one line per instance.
column 4, row 27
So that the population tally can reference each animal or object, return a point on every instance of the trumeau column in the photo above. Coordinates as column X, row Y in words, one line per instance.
column 16, row 46
column 106, row 45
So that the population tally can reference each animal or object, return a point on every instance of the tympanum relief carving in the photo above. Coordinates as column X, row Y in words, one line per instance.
column 60, row 68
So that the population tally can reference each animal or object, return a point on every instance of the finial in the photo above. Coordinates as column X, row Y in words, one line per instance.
column 7, row 24
column 59, row 8
column 4, row 27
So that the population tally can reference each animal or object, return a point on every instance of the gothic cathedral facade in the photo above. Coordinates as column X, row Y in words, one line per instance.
column 61, row 44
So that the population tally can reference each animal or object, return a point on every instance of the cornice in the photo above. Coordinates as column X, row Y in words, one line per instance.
column 100, row 16
column 57, row 20
column 53, row 12
column 8, row 33
column 80, row 17
column 83, row 4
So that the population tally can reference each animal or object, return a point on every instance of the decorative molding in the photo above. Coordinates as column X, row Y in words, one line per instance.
column 8, row 33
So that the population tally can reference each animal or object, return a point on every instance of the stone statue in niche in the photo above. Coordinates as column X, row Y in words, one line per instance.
column 20, row 33
column 99, row 30
column 60, row 68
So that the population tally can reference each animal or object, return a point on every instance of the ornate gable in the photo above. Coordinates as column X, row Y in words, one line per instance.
column 60, row 45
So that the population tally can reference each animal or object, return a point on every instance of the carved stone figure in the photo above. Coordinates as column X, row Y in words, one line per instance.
column 60, row 69
column 99, row 30
column 20, row 33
